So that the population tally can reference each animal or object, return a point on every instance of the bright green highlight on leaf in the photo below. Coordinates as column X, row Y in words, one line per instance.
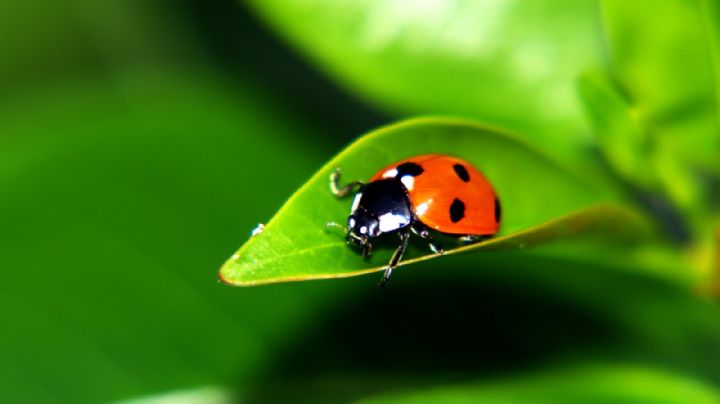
column 588, row 384
column 541, row 201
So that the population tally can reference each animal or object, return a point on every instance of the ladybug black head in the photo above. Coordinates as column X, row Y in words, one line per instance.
column 362, row 226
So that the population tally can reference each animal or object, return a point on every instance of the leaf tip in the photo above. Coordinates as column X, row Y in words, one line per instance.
column 225, row 273
column 223, row 278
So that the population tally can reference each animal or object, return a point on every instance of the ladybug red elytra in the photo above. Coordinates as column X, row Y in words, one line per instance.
column 416, row 195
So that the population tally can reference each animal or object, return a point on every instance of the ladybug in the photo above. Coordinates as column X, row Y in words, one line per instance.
column 425, row 193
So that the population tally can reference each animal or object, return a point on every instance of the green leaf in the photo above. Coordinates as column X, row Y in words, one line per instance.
column 622, row 138
column 581, row 384
column 510, row 63
column 541, row 201
column 663, row 57
column 710, row 10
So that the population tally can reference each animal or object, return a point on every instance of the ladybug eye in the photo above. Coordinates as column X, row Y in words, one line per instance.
column 351, row 221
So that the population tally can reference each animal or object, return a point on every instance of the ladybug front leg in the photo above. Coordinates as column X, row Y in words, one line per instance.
column 343, row 191
column 366, row 249
column 422, row 232
column 397, row 256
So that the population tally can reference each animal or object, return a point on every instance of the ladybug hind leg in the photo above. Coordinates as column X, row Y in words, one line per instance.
column 396, row 257
column 342, row 191
column 424, row 233
column 472, row 238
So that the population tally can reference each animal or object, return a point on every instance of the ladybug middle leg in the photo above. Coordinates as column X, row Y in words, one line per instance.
column 342, row 191
column 396, row 257
column 423, row 232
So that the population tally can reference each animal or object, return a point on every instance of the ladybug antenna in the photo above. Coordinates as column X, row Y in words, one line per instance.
column 334, row 225
column 359, row 239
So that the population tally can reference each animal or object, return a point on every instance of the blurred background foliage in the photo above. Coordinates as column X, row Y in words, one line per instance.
column 140, row 141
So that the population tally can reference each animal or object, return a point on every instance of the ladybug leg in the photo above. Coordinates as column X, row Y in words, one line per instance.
column 366, row 250
column 397, row 256
column 342, row 191
column 423, row 232
column 469, row 239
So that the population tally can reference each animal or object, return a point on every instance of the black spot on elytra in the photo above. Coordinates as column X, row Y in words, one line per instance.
column 457, row 210
column 498, row 210
column 461, row 172
column 409, row 168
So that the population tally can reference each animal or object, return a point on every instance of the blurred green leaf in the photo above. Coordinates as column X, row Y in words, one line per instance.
column 710, row 10
column 621, row 137
column 541, row 200
column 119, row 200
column 662, row 56
column 588, row 384
column 510, row 63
